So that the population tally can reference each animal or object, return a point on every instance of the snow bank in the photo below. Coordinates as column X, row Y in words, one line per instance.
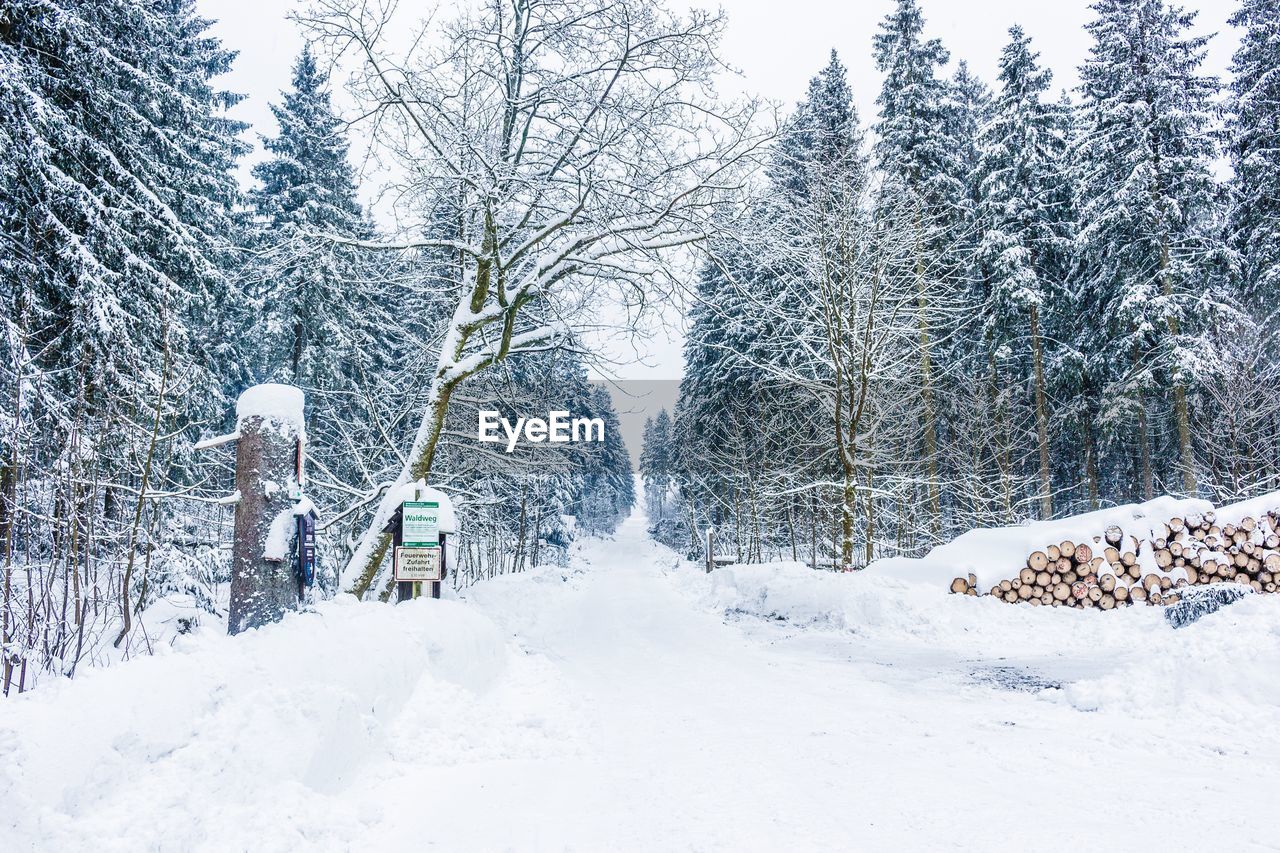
column 1224, row 664
column 996, row 553
column 250, row 728
column 272, row 402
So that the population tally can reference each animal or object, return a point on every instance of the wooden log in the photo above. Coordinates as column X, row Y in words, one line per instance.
column 1067, row 548
column 1005, row 586
column 1027, row 576
column 1129, row 558
column 1138, row 593
column 1084, row 553
column 1248, row 522
column 1011, row 596
column 1052, row 552
column 1176, row 525
column 1111, row 554
column 1243, row 578
column 1114, row 535
column 1034, row 602
column 1192, row 574
column 996, row 590
column 1095, row 593
column 1069, row 577
column 1037, row 561
column 1194, row 520
column 1044, row 579
column 1107, row 582
column 959, row 585
column 1210, row 517
column 1107, row 602
column 1256, row 586
column 1061, row 591
column 1164, row 558
column 1015, row 584
column 1025, row 591
column 1121, row 593
column 1047, row 598
column 1151, row 581
column 1166, row 582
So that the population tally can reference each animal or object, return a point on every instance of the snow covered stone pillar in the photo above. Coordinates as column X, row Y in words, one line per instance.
column 270, row 438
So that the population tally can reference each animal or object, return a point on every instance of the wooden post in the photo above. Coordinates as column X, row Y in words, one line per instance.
column 711, row 551
column 264, row 584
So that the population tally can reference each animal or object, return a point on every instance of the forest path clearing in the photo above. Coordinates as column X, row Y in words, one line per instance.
column 631, row 702
column 679, row 729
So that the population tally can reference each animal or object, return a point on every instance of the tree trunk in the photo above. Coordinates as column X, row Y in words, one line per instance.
column 1090, row 461
column 1180, row 412
column 926, row 388
column 1144, row 444
column 262, row 590
column 1042, row 417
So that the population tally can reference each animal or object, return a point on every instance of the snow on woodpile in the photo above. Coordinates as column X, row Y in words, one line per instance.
column 282, row 404
column 989, row 553
column 1137, row 553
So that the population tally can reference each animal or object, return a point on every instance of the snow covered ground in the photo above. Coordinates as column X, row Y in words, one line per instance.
column 631, row 702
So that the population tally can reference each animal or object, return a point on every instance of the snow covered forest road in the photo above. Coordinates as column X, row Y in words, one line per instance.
column 630, row 702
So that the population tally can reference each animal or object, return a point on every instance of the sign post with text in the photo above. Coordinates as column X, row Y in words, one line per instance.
column 419, row 554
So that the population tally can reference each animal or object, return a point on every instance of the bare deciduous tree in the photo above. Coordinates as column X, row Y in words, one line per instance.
column 573, row 145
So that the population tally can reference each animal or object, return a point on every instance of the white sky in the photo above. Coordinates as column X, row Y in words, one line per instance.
column 777, row 47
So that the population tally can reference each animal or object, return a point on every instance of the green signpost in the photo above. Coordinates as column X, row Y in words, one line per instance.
column 421, row 521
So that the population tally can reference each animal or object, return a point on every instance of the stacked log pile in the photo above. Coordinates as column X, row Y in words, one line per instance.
column 1117, row 569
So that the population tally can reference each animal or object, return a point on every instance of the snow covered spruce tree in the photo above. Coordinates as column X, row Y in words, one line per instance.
column 656, row 465
column 917, row 157
column 1253, row 144
column 583, row 154
column 317, row 323
column 117, row 228
column 1025, row 243
column 1146, row 205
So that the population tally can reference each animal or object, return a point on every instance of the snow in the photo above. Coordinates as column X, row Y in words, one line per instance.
column 283, row 529
column 632, row 702
column 993, row 554
column 420, row 491
column 272, row 401
column 217, row 441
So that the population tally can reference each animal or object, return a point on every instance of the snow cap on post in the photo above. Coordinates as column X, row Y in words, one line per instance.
column 272, row 402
